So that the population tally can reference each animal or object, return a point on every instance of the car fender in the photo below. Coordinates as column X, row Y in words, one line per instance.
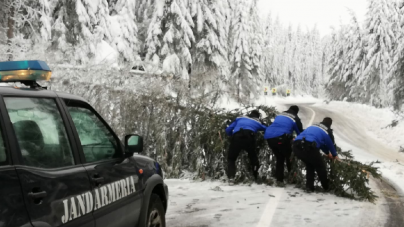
column 150, row 184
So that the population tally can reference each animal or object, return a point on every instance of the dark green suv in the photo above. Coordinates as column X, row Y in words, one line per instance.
column 61, row 164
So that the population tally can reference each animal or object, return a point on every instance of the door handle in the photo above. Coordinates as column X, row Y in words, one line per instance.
column 98, row 180
column 37, row 195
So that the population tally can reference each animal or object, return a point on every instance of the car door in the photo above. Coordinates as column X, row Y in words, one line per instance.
column 117, row 198
column 55, row 186
column 12, row 207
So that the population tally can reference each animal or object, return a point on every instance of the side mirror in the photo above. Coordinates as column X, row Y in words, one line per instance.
column 133, row 144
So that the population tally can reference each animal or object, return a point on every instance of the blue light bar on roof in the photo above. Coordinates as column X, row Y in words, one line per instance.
column 12, row 71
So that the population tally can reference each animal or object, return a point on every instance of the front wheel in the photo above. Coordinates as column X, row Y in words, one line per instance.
column 156, row 215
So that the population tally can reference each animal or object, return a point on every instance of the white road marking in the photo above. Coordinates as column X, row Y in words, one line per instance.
column 312, row 116
column 268, row 214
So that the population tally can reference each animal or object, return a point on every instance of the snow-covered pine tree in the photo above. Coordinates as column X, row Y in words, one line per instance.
column 257, row 42
column 356, row 61
column 314, row 60
column 231, row 13
column 6, row 12
column 396, row 76
column 325, row 50
column 144, row 15
column 78, row 28
column 243, row 81
column 336, row 64
column 170, row 37
column 277, row 53
column 34, row 28
column 379, row 30
column 305, row 77
column 304, row 60
column 94, row 19
column 34, row 21
column 210, row 32
column 288, row 69
column 65, row 31
column 347, row 63
column 267, row 61
column 123, row 30
column 23, row 23
column 298, row 52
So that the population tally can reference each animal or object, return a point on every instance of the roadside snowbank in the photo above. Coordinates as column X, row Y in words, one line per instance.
column 393, row 172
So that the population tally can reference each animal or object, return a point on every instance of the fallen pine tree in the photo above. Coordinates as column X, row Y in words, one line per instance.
column 348, row 178
column 188, row 137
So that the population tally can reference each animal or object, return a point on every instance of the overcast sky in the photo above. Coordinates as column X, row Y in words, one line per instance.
column 307, row 13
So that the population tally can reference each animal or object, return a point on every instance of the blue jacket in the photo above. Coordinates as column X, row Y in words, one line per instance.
column 323, row 137
column 245, row 123
column 284, row 123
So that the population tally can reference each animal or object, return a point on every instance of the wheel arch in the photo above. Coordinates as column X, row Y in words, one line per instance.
column 154, row 184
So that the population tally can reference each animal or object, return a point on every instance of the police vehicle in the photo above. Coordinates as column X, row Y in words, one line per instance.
column 61, row 164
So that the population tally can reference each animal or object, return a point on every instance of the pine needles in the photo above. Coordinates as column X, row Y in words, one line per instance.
column 348, row 178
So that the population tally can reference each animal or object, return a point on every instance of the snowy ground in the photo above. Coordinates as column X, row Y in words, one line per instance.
column 357, row 127
column 217, row 204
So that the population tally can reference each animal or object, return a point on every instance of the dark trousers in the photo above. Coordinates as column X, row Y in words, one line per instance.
column 311, row 156
column 242, row 140
column 282, row 148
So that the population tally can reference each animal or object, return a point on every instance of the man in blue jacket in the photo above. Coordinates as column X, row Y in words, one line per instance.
column 243, row 131
column 279, row 136
column 307, row 148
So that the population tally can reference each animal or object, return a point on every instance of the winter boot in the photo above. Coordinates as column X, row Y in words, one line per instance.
column 309, row 189
column 280, row 184
column 258, row 180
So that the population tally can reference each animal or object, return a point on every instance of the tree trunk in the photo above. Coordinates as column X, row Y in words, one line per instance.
column 10, row 33
column 238, row 88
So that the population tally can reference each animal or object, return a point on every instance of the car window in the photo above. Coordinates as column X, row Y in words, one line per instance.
column 40, row 132
column 96, row 139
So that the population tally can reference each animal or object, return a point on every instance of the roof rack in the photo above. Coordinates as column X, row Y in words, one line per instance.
column 25, row 72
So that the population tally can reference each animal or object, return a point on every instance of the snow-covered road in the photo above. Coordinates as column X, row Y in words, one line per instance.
column 351, row 132
column 216, row 204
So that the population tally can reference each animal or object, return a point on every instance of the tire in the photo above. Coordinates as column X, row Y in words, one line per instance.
column 155, row 215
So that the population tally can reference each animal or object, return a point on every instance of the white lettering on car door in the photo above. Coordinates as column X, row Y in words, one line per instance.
column 83, row 204
column 111, row 192
column 65, row 217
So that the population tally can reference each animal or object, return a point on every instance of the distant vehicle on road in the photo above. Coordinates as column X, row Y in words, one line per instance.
column 143, row 67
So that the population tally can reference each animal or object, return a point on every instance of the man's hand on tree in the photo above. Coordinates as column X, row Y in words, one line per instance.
column 330, row 156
